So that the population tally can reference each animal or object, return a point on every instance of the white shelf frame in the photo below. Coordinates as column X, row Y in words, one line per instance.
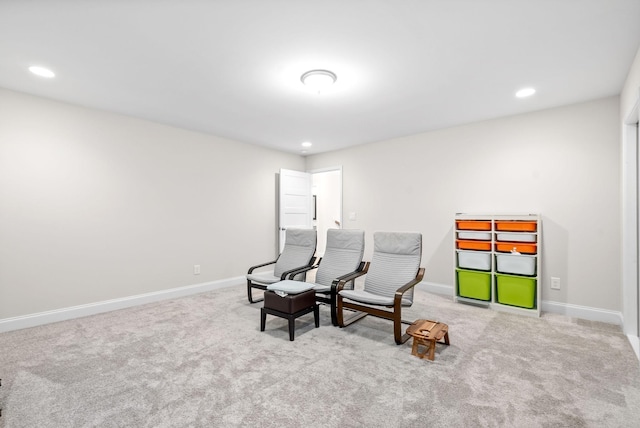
column 493, row 303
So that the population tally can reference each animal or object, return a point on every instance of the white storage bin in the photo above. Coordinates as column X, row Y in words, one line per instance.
column 516, row 237
column 478, row 236
column 476, row 260
column 518, row 264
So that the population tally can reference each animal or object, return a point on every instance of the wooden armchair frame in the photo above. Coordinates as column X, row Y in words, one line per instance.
column 368, row 309
column 330, row 297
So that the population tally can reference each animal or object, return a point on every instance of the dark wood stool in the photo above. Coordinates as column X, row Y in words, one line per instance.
column 427, row 333
column 290, row 307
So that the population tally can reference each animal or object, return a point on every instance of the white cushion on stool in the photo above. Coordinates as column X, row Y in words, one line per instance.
column 290, row 287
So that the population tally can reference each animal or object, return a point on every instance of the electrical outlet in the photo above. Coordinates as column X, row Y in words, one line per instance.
column 555, row 283
column 196, row 269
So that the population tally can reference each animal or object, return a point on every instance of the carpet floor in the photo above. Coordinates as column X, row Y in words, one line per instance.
column 201, row 361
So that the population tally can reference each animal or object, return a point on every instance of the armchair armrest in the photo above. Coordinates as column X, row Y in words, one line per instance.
column 409, row 285
column 339, row 283
column 297, row 270
column 397, row 307
column 251, row 269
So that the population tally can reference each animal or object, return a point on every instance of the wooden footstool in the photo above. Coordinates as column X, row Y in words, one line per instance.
column 427, row 333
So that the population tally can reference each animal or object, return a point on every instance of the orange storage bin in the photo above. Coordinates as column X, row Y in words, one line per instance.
column 520, row 247
column 473, row 224
column 474, row 245
column 516, row 226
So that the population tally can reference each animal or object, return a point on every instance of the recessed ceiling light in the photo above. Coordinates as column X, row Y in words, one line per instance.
column 318, row 80
column 307, row 144
column 41, row 71
column 525, row 92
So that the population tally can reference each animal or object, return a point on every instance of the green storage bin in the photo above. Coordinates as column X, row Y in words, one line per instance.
column 474, row 284
column 516, row 290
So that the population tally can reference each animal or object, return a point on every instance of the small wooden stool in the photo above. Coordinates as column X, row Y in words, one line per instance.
column 427, row 333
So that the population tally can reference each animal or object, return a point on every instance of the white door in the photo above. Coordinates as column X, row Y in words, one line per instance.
column 295, row 208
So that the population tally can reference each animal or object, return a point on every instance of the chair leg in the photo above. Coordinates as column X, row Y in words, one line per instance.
column 292, row 327
column 339, row 315
column 250, row 295
column 397, row 327
column 397, row 331
column 334, row 312
column 356, row 317
column 316, row 315
column 340, row 307
column 263, row 319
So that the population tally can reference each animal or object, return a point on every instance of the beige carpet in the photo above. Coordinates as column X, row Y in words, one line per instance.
column 202, row 361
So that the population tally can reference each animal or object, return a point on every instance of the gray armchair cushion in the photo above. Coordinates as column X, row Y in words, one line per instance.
column 343, row 254
column 263, row 277
column 323, row 289
column 367, row 298
column 395, row 262
column 299, row 248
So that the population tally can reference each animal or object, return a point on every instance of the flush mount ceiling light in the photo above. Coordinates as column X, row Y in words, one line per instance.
column 525, row 92
column 41, row 71
column 318, row 80
column 307, row 144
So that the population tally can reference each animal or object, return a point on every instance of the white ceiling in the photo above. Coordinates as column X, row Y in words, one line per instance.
column 232, row 68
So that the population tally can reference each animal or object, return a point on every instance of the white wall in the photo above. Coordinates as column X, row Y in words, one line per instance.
column 631, row 88
column 97, row 206
column 563, row 163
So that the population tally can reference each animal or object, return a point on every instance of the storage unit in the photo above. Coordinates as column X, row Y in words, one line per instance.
column 498, row 261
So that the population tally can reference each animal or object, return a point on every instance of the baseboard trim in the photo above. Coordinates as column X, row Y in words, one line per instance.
column 576, row 311
column 583, row 312
column 33, row 320
column 435, row 288
column 635, row 344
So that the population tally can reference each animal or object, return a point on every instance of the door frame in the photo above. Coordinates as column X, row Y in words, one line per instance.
column 332, row 169
column 630, row 229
